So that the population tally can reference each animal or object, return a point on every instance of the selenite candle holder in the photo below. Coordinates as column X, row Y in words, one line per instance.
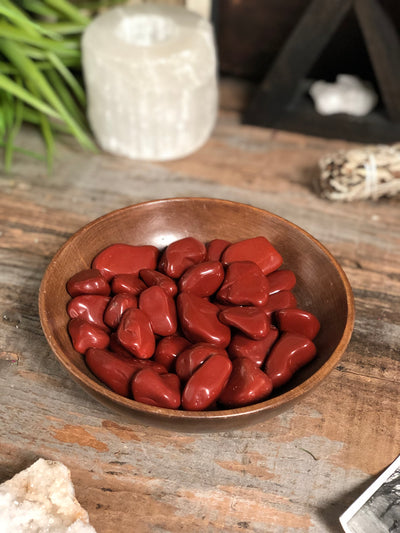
column 151, row 81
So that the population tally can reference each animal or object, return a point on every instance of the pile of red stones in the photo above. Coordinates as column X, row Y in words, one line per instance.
column 196, row 326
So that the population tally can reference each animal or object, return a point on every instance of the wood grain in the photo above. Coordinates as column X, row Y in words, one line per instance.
column 295, row 473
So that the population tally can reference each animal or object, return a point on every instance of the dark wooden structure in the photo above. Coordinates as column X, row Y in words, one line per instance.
column 281, row 99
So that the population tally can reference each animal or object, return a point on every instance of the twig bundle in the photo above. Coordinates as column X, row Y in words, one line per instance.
column 370, row 172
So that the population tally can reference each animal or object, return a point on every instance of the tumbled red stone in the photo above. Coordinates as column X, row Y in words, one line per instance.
column 180, row 255
column 244, row 284
column 85, row 335
column 89, row 307
column 252, row 321
column 125, row 259
column 203, row 279
column 135, row 333
column 152, row 388
column 247, row 384
column 160, row 308
column 199, row 320
column 291, row 352
column 258, row 250
column 88, row 281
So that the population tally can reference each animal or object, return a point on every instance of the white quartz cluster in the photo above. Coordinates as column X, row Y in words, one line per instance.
column 151, row 83
column 348, row 95
column 41, row 499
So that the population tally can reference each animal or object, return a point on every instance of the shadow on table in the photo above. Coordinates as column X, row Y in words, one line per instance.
column 333, row 509
column 9, row 469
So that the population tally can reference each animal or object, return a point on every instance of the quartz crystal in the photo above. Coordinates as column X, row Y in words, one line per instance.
column 151, row 83
column 41, row 499
column 348, row 94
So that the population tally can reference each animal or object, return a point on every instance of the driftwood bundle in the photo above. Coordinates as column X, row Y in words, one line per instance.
column 369, row 172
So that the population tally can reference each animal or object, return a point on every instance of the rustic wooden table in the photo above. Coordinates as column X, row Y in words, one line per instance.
column 296, row 473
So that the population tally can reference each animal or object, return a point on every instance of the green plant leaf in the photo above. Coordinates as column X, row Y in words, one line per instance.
column 47, row 133
column 18, row 91
column 8, row 111
column 7, row 68
column 33, row 117
column 70, row 79
column 30, row 72
column 39, row 8
column 40, row 67
column 62, row 90
column 19, row 18
column 69, row 10
column 3, row 126
column 69, row 56
column 11, row 33
column 10, row 137
column 29, row 153
column 64, row 28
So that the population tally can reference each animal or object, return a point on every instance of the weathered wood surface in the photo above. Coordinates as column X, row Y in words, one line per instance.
column 296, row 473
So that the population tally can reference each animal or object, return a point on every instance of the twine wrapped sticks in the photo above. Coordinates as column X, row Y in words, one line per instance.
column 371, row 172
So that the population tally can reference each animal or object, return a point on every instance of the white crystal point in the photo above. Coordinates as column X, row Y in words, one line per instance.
column 151, row 82
column 348, row 95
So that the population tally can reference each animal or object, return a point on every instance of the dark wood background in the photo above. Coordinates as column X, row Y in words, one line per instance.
column 250, row 33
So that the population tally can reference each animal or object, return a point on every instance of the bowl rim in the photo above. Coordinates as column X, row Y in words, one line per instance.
column 270, row 403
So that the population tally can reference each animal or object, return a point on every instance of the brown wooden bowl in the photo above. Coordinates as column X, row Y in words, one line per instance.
column 322, row 288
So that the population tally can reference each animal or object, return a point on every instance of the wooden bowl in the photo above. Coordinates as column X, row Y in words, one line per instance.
column 322, row 288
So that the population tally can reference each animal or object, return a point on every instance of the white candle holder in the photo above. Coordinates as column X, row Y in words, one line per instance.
column 151, row 81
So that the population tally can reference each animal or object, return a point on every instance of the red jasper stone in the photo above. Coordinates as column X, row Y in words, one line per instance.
column 289, row 354
column 256, row 350
column 180, row 255
column 161, row 310
column 199, row 320
column 89, row 307
column 244, row 284
column 116, row 308
column 215, row 249
column 116, row 347
column 258, row 250
column 298, row 321
column 127, row 283
column 117, row 369
column 190, row 359
column 252, row 321
column 247, row 384
column 222, row 306
column 135, row 333
column 153, row 277
column 168, row 349
column 202, row 279
column 279, row 300
column 85, row 335
column 125, row 259
column 89, row 281
column 207, row 383
column 281, row 280
column 152, row 388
